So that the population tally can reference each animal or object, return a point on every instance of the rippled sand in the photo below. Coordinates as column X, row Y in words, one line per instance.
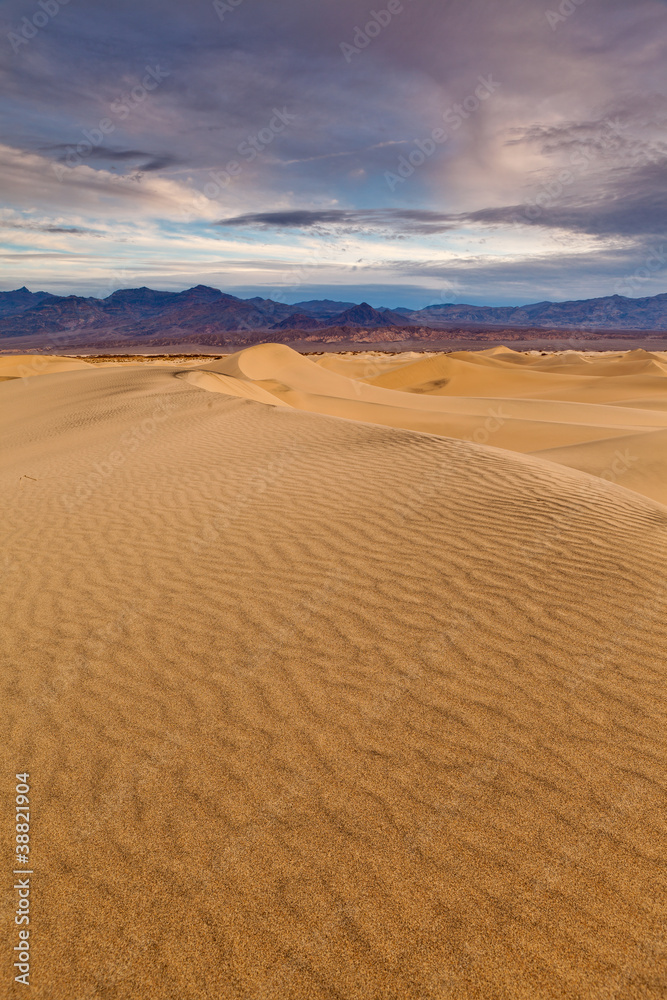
column 322, row 707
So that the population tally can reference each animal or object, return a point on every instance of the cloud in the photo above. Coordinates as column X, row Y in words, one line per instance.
column 33, row 179
column 628, row 201
column 593, row 89
column 37, row 228
column 143, row 161
column 406, row 220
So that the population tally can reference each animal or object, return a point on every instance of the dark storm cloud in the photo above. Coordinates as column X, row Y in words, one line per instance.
column 626, row 202
column 144, row 161
column 413, row 221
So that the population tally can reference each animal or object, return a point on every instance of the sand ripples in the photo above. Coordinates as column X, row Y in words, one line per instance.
column 316, row 708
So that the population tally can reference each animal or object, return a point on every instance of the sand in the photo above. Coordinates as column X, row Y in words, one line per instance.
column 603, row 414
column 316, row 704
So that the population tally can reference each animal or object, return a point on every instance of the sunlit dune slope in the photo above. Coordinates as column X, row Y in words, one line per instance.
column 578, row 410
column 29, row 365
column 455, row 375
column 317, row 708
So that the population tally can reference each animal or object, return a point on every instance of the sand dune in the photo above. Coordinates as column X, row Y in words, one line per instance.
column 241, row 388
column 638, row 461
column 323, row 708
column 585, row 419
column 446, row 375
column 28, row 365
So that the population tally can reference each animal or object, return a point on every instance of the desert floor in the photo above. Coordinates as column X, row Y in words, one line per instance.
column 338, row 676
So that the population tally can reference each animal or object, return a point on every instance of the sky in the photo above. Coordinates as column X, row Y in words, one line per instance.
column 405, row 153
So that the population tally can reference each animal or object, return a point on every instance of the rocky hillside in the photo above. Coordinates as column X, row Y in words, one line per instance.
column 142, row 314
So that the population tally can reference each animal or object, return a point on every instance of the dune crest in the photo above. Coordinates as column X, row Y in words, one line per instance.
column 605, row 415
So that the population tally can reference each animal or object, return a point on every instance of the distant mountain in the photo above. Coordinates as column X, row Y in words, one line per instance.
column 69, row 313
column 365, row 315
column 298, row 321
column 615, row 312
column 13, row 303
column 136, row 315
column 144, row 299
column 271, row 309
column 142, row 312
column 324, row 308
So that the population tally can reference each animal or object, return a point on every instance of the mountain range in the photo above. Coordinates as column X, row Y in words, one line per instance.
column 143, row 314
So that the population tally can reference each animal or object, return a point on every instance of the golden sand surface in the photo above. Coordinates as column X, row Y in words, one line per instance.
column 338, row 677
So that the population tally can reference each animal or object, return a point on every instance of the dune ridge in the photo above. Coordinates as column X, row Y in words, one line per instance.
column 605, row 415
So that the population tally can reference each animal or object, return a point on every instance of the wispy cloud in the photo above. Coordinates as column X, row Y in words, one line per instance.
column 44, row 228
